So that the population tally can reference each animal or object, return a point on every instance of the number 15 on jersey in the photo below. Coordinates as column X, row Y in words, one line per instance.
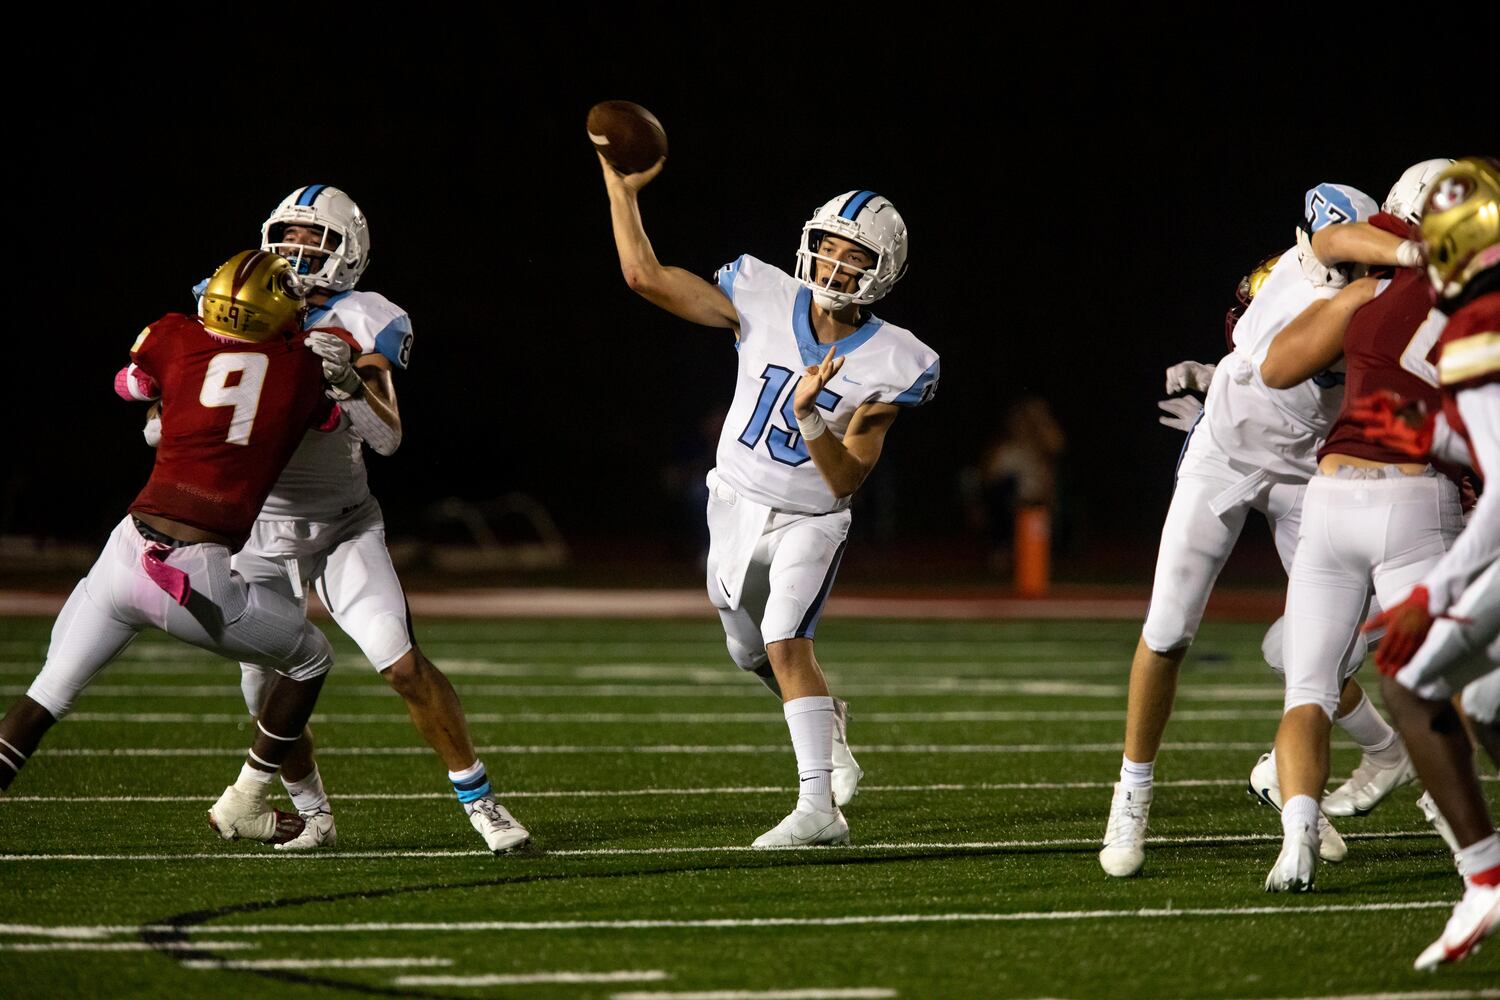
column 785, row 442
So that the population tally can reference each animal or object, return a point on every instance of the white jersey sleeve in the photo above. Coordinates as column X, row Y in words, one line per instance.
column 377, row 323
column 761, row 453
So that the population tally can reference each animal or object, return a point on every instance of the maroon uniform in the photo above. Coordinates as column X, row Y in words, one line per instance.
column 233, row 412
column 1463, row 362
column 1375, row 342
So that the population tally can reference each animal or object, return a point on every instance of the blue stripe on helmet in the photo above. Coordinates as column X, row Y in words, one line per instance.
column 855, row 203
column 309, row 193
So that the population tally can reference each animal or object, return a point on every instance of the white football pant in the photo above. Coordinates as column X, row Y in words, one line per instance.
column 792, row 561
column 224, row 615
column 1358, row 535
column 347, row 561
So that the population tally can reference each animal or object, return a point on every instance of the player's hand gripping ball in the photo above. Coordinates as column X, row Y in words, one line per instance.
column 627, row 135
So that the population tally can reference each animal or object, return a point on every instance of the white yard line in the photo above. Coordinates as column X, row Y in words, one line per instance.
column 619, row 793
column 801, row 993
column 264, row 964
column 132, row 946
column 604, row 852
column 1416, row 995
column 536, row 978
column 690, row 718
column 967, row 687
column 723, row 923
column 667, row 748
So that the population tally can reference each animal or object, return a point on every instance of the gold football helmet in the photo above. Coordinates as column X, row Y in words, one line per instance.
column 252, row 296
column 1461, row 225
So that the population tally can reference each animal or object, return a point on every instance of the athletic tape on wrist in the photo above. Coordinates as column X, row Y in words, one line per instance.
column 811, row 425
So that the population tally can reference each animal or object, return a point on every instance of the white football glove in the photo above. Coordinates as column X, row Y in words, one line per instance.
column 1410, row 253
column 1189, row 375
column 338, row 368
column 1319, row 273
column 152, row 431
column 1180, row 412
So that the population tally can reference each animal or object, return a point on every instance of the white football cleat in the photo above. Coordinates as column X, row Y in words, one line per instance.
column 806, row 828
column 318, row 832
column 1266, row 787
column 1439, row 822
column 1125, row 835
column 239, row 814
column 846, row 771
column 1474, row 918
column 1369, row 784
column 1296, row 869
column 1264, row 784
column 497, row 826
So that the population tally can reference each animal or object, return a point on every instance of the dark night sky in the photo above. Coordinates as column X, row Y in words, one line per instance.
column 1080, row 209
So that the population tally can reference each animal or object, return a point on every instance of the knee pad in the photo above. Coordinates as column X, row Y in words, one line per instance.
column 1272, row 646
column 384, row 638
column 313, row 656
column 57, row 703
column 253, row 681
column 745, row 656
column 1167, row 627
column 1481, row 699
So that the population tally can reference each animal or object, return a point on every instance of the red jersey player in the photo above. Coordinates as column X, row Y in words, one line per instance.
column 1451, row 619
column 238, row 390
column 1373, row 523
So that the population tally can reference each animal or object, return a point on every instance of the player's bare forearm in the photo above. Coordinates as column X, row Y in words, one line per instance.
column 1359, row 243
column 1315, row 339
column 678, row 291
column 844, row 465
column 373, row 412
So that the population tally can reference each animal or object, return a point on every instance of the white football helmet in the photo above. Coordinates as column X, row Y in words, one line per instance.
column 344, row 253
column 1409, row 193
column 868, row 219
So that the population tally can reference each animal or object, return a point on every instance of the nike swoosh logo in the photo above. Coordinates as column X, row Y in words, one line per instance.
column 724, row 588
column 599, row 140
column 851, row 381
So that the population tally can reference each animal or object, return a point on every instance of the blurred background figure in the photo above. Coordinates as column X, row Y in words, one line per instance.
column 1018, row 470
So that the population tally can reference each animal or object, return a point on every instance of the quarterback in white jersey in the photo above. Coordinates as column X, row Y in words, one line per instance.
column 321, row 529
column 1253, row 448
column 820, row 383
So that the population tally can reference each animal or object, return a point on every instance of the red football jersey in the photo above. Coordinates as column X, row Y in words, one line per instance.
column 1378, row 337
column 1468, row 355
column 233, row 412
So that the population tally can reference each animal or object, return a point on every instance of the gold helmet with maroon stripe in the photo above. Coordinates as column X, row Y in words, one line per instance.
column 252, row 296
column 1461, row 225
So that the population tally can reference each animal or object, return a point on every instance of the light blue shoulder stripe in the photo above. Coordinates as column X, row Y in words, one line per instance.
column 923, row 388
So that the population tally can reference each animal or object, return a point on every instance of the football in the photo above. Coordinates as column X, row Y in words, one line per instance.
column 627, row 135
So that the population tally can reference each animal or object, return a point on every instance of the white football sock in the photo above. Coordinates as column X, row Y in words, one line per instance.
column 1365, row 727
column 1298, row 813
column 810, row 721
column 253, row 780
column 1481, row 856
column 307, row 794
column 1133, row 775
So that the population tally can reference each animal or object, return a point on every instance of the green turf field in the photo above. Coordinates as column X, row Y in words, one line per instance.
column 644, row 764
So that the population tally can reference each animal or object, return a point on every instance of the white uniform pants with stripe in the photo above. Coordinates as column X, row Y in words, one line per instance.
column 346, row 561
column 792, row 561
column 224, row 615
column 1359, row 536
